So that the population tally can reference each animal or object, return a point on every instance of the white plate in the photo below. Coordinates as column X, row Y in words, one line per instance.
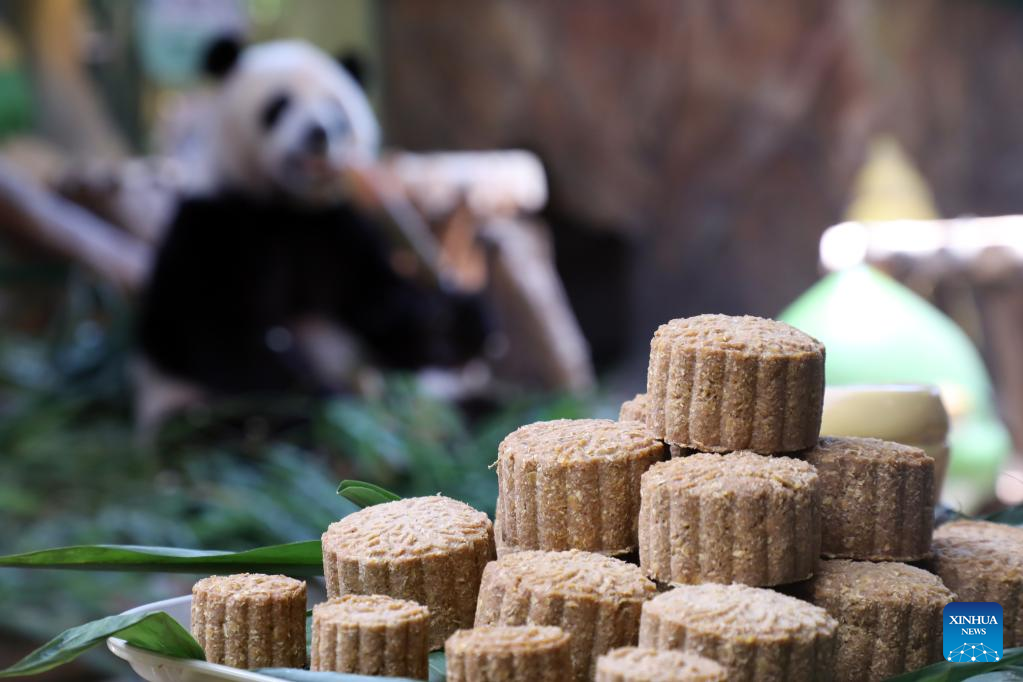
column 158, row 668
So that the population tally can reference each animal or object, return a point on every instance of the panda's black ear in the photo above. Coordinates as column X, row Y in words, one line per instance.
column 221, row 55
column 356, row 66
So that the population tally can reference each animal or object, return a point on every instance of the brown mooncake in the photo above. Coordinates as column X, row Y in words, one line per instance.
column 877, row 499
column 756, row 634
column 634, row 409
column 371, row 634
column 983, row 561
column 596, row 599
column 509, row 653
column 889, row 616
column 740, row 517
column 638, row 664
column 572, row 484
column 250, row 620
column 430, row 550
column 718, row 384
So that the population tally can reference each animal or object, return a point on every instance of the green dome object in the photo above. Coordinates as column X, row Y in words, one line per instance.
column 978, row 448
column 15, row 103
column 876, row 331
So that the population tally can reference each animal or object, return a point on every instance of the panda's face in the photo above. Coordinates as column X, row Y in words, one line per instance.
column 306, row 138
column 290, row 120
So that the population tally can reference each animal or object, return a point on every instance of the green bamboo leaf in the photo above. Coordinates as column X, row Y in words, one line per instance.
column 438, row 667
column 365, row 494
column 1012, row 516
column 295, row 558
column 1013, row 675
column 156, row 632
column 1006, row 670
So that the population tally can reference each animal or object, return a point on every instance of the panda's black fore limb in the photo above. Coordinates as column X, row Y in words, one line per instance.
column 233, row 273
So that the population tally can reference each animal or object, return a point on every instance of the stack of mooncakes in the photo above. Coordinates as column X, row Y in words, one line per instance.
column 742, row 495
column 781, row 497
column 744, row 395
column 778, row 553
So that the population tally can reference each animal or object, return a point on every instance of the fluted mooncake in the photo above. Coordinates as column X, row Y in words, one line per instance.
column 594, row 598
column 633, row 409
column 430, row 550
column 983, row 561
column 638, row 664
column 250, row 620
column 877, row 499
column 718, row 383
column 889, row 616
column 740, row 517
column 509, row 653
column 756, row 634
column 572, row 484
column 371, row 634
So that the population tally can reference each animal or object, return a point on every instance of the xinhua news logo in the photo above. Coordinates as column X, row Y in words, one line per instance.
column 972, row 631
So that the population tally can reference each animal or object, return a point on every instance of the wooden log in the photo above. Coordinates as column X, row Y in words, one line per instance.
column 504, row 182
column 545, row 346
column 72, row 232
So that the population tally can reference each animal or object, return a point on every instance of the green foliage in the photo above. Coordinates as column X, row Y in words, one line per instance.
column 1009, row 669
column 155, row 632
column 1012, row 516
column 365, row 494
column 242, row 474
column 414, row 444
column 438, row 667
column 15, row 101
column 304, row 558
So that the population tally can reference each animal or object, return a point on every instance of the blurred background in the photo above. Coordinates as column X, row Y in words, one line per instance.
column 609, row 166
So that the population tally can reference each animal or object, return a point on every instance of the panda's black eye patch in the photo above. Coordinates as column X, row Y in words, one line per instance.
column 274, row 109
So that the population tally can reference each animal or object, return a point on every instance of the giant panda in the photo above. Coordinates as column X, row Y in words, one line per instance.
column 275, row 240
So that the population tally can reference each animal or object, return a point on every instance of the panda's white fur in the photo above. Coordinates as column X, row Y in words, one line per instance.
column 251, row 157
column 274, row 241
